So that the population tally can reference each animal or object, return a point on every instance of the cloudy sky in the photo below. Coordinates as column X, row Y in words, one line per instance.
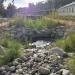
column 22, row 3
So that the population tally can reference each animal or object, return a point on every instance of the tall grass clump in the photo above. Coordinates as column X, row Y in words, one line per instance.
column 39, row 24
column 67, row 44
column 60, row 43
column 12, row 50
column 71, row 64
column 70, row 44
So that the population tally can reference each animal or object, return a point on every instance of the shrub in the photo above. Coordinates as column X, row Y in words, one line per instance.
column 70, row 44
column 71, row 65
column 60, row 43
column 67, row 44
column 39, row 24
column 12, row 50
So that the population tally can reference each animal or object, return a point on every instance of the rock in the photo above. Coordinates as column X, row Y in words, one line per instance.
column 65, row 72
column 59, row 51
column 20, row 71
column 24, row 59
column 19, row 60
column 2, row 50
column 2, row 69
column 18, row 67
column 12, row 68
column 8, row 73
column 29, row 64
column 34, row 71
column 44, row 71
column 53, row 74
column 3, row 72
column 37, row 59
column 15, row 63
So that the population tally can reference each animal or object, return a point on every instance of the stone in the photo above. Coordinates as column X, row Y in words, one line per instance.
column 4, row 72
column 20, row 71
column 44, row 71
column 15, row 63
column 18, row 67
column 59, row 51
column 53, row 74
column 19, row 60
column 37, row 59
column 8, row 73
column 12, row 68
column 29, row 64
column 23, row 65
column 34, row 71
column 24, row 59
column 65, row 72
column 2, row 69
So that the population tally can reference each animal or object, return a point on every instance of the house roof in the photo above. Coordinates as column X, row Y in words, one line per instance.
column 73, row 3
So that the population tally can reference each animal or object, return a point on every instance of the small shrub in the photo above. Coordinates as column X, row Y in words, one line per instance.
column 39, row 24
column 12, row 50
column 67, row 44
column 60, row 43
column 71, row 65
column 70, row 44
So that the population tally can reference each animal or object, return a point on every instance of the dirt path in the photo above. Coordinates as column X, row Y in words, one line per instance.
column 4, row 24
column 65, row 22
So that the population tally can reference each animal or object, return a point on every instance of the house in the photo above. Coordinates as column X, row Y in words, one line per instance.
column 67, row 10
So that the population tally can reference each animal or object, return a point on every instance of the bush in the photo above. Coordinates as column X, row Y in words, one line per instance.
column 39, row 24
column 71, row 65
column 70, row 44
column 12, row 50
column 67, row 44
column 60, row 43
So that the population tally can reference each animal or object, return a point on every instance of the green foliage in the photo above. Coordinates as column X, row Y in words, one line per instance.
column 2, row 11
column 11, row 10
column 71, row 64
column 70, row 43
column 60, row 43
column 12, row 50
column 39, row 24
column 67, row 44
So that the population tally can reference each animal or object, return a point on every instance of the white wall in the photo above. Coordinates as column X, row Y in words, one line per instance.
column 67, row 11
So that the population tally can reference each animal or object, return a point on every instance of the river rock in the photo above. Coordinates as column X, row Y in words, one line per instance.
column 65, row 72
column 53, row 74
column 44, row 71
column 12, row 68
column 20, row 71
column 59, row 51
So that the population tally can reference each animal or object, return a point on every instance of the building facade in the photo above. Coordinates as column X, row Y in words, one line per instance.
column 67, row 10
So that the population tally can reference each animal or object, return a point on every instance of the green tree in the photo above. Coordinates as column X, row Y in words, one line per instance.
column 2, row 11
column 11, row 10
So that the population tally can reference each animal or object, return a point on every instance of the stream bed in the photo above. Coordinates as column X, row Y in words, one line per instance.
column 40, row 60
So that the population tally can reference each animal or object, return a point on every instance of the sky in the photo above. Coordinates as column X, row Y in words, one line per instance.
column 22, row 3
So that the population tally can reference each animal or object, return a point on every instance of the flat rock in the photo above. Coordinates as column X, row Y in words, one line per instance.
column 44, row 71
column 59, row 51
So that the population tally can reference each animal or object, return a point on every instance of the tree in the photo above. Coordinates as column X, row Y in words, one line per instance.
column 1, row 1
column 11, row 10
column 2, row 11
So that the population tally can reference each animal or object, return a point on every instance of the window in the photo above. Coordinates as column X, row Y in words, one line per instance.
column 72, row 9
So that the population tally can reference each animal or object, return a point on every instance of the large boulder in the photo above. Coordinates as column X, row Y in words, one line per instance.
column 59, row 51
